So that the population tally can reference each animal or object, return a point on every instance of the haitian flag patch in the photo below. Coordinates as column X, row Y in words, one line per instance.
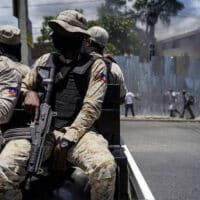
column 102, row 77
column 13, row 91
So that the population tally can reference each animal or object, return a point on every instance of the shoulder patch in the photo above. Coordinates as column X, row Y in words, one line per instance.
column 102, row 77
column 12, row 91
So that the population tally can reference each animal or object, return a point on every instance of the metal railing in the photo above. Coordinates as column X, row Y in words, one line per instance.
column 138, row 188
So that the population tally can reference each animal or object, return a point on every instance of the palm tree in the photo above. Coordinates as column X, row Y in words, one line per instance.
column 150, row 11
column 111, row 7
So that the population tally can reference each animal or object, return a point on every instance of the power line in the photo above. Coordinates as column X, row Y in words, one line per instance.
column 55, row 4
column 64, row 3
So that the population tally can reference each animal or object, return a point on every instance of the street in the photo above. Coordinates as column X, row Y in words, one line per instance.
column 168, row 155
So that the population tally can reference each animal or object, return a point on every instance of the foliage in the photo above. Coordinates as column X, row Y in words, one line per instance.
column 164, row 8
column 45, row 30
column 111, row 48
column 111, row 7
column 45, row 36
column 122, row 36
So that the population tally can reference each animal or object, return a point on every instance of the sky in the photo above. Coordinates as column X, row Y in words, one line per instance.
column 40, row 8
column 186, row 21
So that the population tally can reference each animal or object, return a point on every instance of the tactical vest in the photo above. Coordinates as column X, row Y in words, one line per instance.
column 70, row 89
column 70, row 86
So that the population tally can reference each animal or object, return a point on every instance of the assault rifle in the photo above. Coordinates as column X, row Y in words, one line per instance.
column 40, row 130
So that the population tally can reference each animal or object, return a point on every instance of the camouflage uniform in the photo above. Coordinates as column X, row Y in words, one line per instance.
column 10, row 77
column 15, row 153
column 100, row 36
column 10, row 81
column 90, row 151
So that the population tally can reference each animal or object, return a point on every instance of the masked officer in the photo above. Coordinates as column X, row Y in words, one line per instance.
column 10, row 82
column 79, row 91
column 98, row 40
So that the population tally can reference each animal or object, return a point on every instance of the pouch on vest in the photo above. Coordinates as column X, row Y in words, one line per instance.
column 70, row 87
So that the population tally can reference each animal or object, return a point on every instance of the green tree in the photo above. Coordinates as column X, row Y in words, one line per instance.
column 122, row 36
column 45, row 37
column 151, row 10
column 112, row 7
column 45, row 30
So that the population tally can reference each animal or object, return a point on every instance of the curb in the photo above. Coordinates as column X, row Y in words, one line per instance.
column 158, row 119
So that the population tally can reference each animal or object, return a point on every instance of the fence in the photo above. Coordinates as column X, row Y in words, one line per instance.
column 152, row 80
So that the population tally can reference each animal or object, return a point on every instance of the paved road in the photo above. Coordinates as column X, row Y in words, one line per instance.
column 168, row 155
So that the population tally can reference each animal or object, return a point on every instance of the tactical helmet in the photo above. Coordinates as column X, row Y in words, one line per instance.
column 9, row 35
column 99, row 35
column 69, row 21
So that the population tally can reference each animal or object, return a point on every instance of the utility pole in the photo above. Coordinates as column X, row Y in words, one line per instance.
column 20, row 8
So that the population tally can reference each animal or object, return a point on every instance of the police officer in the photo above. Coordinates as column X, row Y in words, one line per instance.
column 98, row 40
column 10, row 77
column 78, row 95
column 10, row 82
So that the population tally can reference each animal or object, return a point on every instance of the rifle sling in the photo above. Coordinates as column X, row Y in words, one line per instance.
column 17, row 133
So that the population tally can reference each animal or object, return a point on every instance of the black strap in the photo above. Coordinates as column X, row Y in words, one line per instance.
column 108, row 63
column 2, row 141
column 17, row 133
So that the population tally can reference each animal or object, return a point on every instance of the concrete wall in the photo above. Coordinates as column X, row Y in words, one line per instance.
column 152, row 80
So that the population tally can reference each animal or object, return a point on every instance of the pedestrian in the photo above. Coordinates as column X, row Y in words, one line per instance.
column 10, row 83
column 173, row 102
column 98, row 40
column 188, row 101
column 79, row 91
column 129, row 98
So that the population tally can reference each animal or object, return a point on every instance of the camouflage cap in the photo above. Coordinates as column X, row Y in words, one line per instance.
column 98, row 35
column 9, row 35
column 70, row 21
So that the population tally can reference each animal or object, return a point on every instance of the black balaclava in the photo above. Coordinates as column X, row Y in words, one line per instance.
column 70, row 42
column 11, row 51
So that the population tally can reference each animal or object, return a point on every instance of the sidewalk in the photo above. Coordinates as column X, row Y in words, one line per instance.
column 157, row 118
